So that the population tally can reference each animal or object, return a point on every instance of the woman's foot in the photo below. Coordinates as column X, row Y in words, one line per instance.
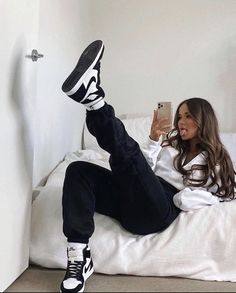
column 83, row 84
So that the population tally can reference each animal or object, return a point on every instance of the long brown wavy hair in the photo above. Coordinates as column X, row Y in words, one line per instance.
column 219, row 166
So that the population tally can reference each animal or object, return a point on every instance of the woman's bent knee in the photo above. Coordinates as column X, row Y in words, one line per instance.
column 76, row 168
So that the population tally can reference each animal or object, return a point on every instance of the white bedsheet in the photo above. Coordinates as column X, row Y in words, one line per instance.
column 198, row 245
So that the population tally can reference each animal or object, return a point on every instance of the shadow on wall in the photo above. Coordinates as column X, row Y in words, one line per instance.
column 21, row 139
column 22, row 92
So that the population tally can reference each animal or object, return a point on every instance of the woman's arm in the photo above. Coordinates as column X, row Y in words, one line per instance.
column 151, row 151
column 153, row 145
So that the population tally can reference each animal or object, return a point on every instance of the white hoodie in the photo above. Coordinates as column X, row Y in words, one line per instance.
column 188, row 198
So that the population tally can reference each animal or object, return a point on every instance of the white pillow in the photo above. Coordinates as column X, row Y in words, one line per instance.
column 229, row 141
column 137, row 125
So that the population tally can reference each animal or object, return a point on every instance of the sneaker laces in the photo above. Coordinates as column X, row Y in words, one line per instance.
column 74, row 269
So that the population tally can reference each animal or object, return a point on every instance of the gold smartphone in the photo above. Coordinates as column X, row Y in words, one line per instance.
column 164, row 110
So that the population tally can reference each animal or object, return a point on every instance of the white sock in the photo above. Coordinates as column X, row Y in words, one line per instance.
column 96, row 106
column 75, row 251
column 76, row 245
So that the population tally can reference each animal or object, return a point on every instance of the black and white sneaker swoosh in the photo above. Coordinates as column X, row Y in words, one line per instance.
column 89, row 267
column 83, row 90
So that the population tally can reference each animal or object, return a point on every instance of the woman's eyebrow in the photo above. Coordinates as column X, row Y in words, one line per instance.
column 185, row 113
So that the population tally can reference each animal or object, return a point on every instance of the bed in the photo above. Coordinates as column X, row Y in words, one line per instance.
column 198, row 244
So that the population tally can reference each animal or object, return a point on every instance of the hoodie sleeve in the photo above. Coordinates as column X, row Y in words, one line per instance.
column 151, row 150
column 188, row 199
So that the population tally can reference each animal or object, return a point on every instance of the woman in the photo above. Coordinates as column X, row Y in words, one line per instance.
column 145, row 190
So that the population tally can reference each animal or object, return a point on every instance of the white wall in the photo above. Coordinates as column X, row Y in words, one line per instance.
column 64, row 30
column 18, row 30
column 168, row 50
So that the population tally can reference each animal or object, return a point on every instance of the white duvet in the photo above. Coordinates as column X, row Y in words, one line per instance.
column 199, row 244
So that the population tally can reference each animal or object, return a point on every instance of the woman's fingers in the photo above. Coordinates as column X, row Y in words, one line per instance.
column 161, row 123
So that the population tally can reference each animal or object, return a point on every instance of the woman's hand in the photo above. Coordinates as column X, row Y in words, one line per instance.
column 158, row 126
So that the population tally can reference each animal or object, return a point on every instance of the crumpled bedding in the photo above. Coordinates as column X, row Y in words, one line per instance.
column 198, row 244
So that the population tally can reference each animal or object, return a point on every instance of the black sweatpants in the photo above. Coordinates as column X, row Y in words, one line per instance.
column 131, row 193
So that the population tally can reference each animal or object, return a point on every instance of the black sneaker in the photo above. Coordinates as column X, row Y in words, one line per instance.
column 83, row 84
column 79, row 269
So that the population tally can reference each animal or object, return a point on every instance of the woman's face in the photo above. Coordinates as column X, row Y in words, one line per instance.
column 187, row 126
